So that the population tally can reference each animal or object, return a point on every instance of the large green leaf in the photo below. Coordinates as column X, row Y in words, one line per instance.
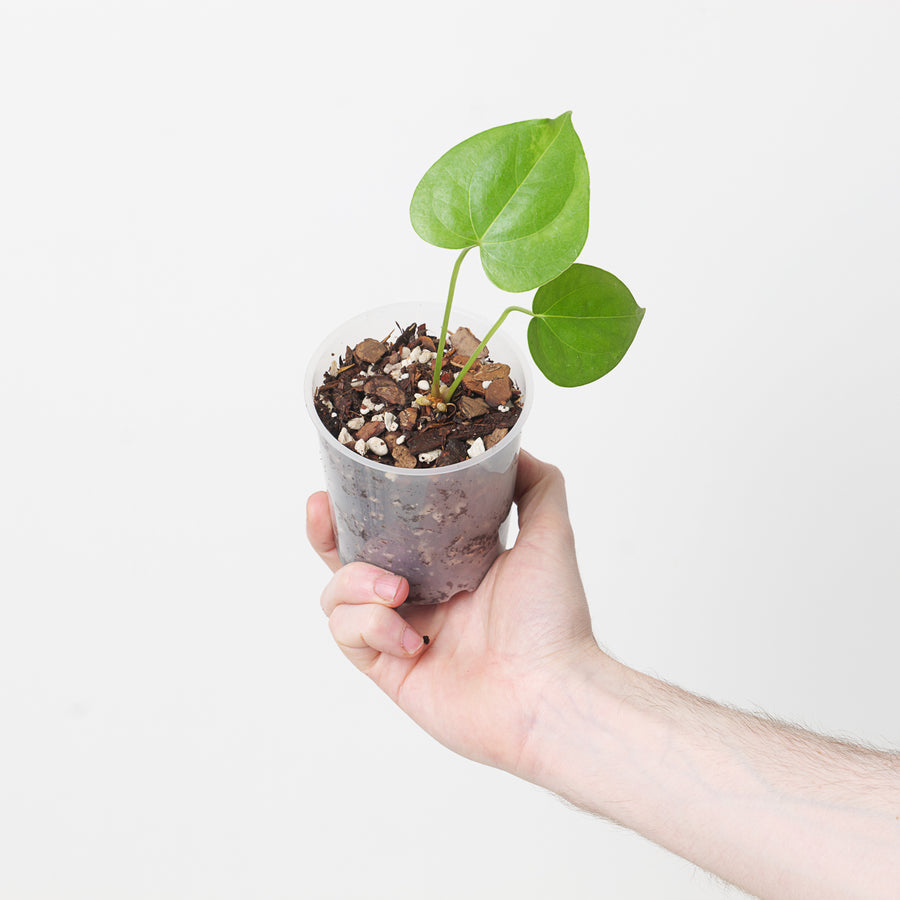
column 520, row 192
column 583, row 323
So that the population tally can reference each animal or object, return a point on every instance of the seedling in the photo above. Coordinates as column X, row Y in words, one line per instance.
column 520, row 193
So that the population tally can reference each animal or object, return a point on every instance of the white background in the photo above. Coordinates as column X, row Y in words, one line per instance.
column 192, row 192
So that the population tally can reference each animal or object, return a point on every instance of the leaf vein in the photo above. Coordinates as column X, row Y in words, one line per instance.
column 519, row 183
column 586, row 317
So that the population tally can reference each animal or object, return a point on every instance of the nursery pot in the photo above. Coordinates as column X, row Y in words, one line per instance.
column 440, row 528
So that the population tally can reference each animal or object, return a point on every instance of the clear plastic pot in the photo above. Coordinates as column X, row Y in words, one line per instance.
column 440, row 528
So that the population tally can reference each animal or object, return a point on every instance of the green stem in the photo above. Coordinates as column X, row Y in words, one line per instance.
column 462, row 374
column 436, row 380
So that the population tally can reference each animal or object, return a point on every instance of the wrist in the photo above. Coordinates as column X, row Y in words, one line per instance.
column 578, row 727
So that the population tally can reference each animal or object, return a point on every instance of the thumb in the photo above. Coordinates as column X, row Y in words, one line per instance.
column 541, row 500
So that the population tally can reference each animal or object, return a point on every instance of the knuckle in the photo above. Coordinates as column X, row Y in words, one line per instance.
column 555, row 474
column 356, row 578
column 373, row 624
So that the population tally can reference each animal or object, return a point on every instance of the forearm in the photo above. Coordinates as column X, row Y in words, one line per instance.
column 771, row 808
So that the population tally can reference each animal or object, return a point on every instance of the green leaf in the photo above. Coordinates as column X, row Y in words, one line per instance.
column 583, row 323
column 520, row 192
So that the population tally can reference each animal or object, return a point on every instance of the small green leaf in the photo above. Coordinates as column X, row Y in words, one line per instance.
column 583, row 323
column 520, row 192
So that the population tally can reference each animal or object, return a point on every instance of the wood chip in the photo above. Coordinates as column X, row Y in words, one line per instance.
column 370, row 350
column 472, row 429
column 465, row 343
column 370, row 430
column 385, row 387
column 495, row 436
column 498, row 392
column 405, row 336
column 473, row 382
column 493, row 371
column 403, row 458
column 407, row 418
column 472, row 407
column 345, row 403
column 430, row 439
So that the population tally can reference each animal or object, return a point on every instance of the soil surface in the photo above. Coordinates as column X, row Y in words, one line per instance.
column 375, row 398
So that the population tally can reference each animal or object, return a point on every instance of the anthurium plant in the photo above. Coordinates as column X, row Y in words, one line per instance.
column 520, row 193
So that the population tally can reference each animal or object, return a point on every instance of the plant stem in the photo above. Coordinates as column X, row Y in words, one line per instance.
column 462, row 374
column 436, row 380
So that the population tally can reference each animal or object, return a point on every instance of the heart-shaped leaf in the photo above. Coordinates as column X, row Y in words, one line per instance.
column 583, row 323
column 520, row 192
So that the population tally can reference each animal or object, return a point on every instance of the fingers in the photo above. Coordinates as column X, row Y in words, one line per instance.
column 319, row 530
column 360, row 583
column 359, row 599
column 541, row 499
column 365, row 631
column 359, row 602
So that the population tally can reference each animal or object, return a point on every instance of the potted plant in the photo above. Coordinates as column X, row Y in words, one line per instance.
column 420, row 432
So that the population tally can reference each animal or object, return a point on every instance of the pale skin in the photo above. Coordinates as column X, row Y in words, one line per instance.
column 513, row 677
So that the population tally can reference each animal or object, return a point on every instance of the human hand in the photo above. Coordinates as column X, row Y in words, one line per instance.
column 480, row 682
column 513, row 678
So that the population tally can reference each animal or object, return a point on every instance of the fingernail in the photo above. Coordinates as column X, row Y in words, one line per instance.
column 386, row 587
column 410, row 641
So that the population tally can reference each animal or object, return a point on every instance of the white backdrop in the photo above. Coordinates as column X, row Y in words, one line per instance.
column 191, row 192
